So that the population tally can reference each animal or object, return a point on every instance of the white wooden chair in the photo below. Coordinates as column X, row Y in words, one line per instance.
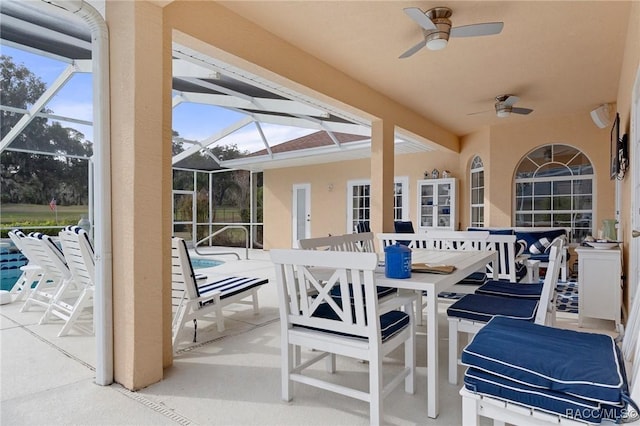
column 313, row 318
column 504, row 409
column 473, row 311
column 193, row 300
column 331, row 242
column 76, row 311
column 31, row 272
column 359, row 241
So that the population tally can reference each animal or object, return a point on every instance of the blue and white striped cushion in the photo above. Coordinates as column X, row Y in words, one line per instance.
column 540, row 246
column 229, row 286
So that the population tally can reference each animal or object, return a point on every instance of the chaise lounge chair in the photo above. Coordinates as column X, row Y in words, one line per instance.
column 199, row 299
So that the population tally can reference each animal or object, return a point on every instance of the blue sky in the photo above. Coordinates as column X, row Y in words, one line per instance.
column 191, row 121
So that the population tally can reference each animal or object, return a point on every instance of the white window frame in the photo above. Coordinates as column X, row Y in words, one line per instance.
column 572, row 178
column 404, row 209
column 477, row 166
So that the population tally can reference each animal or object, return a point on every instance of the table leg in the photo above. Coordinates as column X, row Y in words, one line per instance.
column 432, row 352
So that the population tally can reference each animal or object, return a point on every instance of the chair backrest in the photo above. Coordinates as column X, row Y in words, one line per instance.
column 332, row 243
column 403, row 227
column 183, row 281
column 304, row 279
column 78, row 254
column 547, row 302
column 415, row 240
column 47, row 255
column 363, row 227
column 458, row 240
column 16, row 237
column 362, row 242
column 505, row 245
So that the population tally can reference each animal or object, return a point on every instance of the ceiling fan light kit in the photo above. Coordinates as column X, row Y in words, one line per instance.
column 436, row 28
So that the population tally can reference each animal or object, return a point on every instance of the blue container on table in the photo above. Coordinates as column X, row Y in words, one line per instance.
column 397, row 261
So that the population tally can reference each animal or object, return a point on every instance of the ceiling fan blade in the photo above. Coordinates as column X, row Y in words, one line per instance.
column 479, row 112
column 510, row 101
column 420, row 18
column 413, row 50
column 473, row 30
column 523, row 111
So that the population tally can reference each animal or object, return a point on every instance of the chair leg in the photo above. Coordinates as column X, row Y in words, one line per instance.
column 254, row 298
column 469, row 414
column 375, row 390
column 289, row 353
column 331, row 363
column 410, row 358
column 419, row 308
column 219, row 316
column 453, row 351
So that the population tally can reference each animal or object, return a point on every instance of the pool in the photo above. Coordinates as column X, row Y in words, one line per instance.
column 199, row 263
column 11, row 260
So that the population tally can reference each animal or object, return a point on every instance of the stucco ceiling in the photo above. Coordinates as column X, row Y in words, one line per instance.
column 559, row 57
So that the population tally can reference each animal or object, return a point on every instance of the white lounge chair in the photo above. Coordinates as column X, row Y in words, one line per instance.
column 204, row 299
column 312, row 317
column 76, row 310
column 31, row 272
column 57, row 276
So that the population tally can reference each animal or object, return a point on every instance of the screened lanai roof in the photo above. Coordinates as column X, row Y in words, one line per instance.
column 266, row 117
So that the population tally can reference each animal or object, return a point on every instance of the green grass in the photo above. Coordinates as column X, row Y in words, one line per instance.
column 39, row 215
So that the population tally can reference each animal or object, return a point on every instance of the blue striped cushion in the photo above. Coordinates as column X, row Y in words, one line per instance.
column 480, row 307
column 586, row 365
column 509, row 289
column 229, row 286
column 390, row 323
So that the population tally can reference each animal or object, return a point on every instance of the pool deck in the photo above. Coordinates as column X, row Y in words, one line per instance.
column 229, row 378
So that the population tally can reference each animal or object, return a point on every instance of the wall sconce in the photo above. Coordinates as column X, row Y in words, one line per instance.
column 330, row 187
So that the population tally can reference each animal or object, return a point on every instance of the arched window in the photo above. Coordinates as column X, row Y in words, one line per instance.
column 554, row 187
column 477, row 192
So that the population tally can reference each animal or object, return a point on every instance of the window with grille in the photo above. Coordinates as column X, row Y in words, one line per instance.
column 477, row 192
column 359, row 201
column 554, row 187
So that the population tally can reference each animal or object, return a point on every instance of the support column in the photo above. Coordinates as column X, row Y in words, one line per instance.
column 140, row 166
column 382, row 176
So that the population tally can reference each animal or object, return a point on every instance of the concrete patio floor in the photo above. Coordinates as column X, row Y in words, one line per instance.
column 229, row 378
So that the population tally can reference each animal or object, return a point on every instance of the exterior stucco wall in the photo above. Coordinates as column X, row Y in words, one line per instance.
column 329, row 192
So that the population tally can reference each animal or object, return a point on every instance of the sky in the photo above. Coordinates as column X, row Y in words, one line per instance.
column 191, row 121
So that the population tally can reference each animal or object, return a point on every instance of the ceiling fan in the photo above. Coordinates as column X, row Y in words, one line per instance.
column 436, row 27
column 504, row 107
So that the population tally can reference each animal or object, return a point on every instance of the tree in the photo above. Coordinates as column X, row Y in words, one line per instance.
column 34, row 178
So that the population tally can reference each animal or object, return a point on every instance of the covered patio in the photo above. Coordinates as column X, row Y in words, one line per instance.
column 408, row 128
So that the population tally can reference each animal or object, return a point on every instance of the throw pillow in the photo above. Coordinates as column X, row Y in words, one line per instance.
column 521, row 246
column 540, row 246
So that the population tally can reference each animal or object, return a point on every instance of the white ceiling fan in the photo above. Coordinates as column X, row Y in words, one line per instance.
column 436, row 26
column 504, row 107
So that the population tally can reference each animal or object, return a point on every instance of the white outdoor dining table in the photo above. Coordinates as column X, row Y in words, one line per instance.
column 466, row 262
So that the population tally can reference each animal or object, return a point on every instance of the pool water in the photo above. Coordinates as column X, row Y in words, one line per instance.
column 198, row 263
column 11, row 260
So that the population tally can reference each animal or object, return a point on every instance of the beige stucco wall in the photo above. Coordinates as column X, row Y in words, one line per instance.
column 329, row 192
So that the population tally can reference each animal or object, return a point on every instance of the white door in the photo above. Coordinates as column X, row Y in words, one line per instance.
column 301, row 213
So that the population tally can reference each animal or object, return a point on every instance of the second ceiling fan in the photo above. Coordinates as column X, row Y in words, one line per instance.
column 436, row 26
column 504, row 107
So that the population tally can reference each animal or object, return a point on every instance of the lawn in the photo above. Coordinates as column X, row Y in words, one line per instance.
column 27, row 215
